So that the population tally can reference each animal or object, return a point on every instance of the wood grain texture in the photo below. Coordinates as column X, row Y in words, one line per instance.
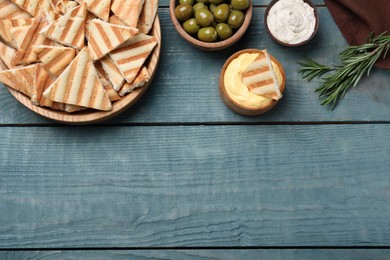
column 309, row 254
column 185, row 88
column 194, row 186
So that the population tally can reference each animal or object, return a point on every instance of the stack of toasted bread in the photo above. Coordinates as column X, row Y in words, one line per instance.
column 74, row 55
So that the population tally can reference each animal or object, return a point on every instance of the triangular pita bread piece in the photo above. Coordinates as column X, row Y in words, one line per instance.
column 80, row 85
column 6, row 26
column 130, row 58
column 115, row 20
column 142, row 77
column 128, row 11
column 25, row 54
column 100, row 8
column 7, row 55
column 33, row 7
column 20, row 79
column 18, row 34
column 112, row 72
column 148, row 14
column 260, row 78
column 90, row 17
column 10, row 10
column 42, row 81
column 55, row 59
column 63, row 6
column 105, row 37
column 111, row 92
column 69, row 28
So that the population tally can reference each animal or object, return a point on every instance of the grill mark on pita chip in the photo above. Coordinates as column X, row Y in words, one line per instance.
column 142, row 77
column 148, row 15
column 20, row 79
column 63, row 6
column 6, row 25
column 55, row 59
column 80, row 75
column 25, row 54
column 105, row 37
column 130, row 58
column 7, row 55
column 112, row 72
column 100, row 8
column 111, row 92
column 69, row 29
column 115, row 20
column 18, row 34
column 10, row 10
column 33, row 7
column 128, row 11
column 260, row 78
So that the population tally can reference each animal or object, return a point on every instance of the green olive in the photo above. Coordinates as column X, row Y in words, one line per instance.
column 199, row 6
column 190, row 2
column 203, row 1
column 216, row 2
column 204, row 17
column 224, row 31
column 221, row 13
column 207, row 34
column 190, row 26
column 236, row 18
column 183, row 12
column 240, row 4
column 212, row 7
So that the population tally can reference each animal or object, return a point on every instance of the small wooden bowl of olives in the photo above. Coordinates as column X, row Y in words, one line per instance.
column 211, row 25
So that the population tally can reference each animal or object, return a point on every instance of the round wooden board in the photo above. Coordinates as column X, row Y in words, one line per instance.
column 93, row 116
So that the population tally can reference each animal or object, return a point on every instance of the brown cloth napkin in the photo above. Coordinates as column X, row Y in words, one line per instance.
column 356, row 19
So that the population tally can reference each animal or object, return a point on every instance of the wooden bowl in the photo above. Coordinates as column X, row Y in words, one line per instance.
column 238, row 108
column 210, row 46
column 90, row 116
column 309, row 2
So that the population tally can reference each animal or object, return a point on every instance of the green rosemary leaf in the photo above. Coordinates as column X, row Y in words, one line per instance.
column 356, row 61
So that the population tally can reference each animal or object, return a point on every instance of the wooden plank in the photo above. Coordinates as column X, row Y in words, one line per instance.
column 185, row 88
column 320, row 254
column 288, row 185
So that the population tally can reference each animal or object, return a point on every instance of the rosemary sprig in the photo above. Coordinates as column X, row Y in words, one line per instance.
column 356, row 61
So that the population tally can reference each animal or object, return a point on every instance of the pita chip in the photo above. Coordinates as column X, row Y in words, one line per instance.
column 55, row 59
column 6, row 25
column 63, row 6
column 18, row 34
column 115, row 20
column 20, row 79
column 69, row 28
column 130, row 57
column 111, row 92
column 105, row 37
column 142, row 77
column 113, row 73
column 33, row 7
column 80, row 85
column 147, row 17
column 7, row 55
column 100, row 8
column 128, row 11
column 25, row 54
column 10, row 10
column 260, row 78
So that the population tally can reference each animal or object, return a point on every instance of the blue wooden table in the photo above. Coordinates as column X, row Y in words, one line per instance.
column 179, row 175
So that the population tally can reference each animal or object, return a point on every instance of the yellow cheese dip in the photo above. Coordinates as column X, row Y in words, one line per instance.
column 237, row 90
